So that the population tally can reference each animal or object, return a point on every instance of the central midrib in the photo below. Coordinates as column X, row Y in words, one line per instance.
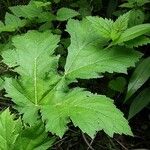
column 35, row 82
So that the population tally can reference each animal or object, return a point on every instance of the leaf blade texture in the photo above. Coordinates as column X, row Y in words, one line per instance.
column 139, row 77
column 87, row 57
column 139, row 102
column 64, row 14
column 9, row 130
column 89, row 112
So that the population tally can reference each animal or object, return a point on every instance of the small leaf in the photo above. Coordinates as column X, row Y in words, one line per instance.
column 12, row 23
column 28, row 11
column 134, row 32
column 139, row 102
column 34, row 138
column 117, row 84
column 139, row 41
column 64, row 14
column 9, row 130
column 102, row 26
column 137, row 16
column 139, row 77
column 120, row 25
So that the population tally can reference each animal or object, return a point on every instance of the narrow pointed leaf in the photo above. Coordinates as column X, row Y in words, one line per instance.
column 139, row 77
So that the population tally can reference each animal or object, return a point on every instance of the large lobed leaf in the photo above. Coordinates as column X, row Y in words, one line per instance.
column 33, row 55
column 89, row 112
column 39, row 87
column 87, row 57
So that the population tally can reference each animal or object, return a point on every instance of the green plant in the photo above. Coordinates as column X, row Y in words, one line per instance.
column 140, row 75
column 41, row 92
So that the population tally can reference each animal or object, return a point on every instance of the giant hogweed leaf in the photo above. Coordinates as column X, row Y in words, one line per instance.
column 87, row 57
column 66, row 13
column 33, row 137
column 12, row 23
column 33, row 54
column 14, row 137
column 28, row 11
column 9, row 130
column 40, row 88
column 139, row 77
column 89, row 112
column 102, row 26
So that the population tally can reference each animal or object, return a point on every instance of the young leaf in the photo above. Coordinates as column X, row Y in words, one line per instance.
column 29, row 11
column 117, row 84
column 11, row 23
column 139, row 41
column 64, row 14
column 137, row 16
column 119, row 26
column 34, row 137
column 89, row 112
column 102, row 26
column 87, row 57
column 139, row 77
column 139, row 102
column 134, row 32
column 9, row 130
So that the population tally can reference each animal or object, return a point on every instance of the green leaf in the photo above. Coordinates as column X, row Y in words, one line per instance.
column 139, row 41
column 102, row 26
column 34, row 137
column 137, row 16
column 39, row 87
column 32, row 49
column 119, row 26
column 139, row 77
column 9, row 130
column 127, row 5
column 1, row 83
column 12, row 23
column 118, row 84
column 87, row 58
column 89, row 112
column 139, row 102
column 28, row 11
column 13, row 137
column 134, row 32
column 64, row 14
